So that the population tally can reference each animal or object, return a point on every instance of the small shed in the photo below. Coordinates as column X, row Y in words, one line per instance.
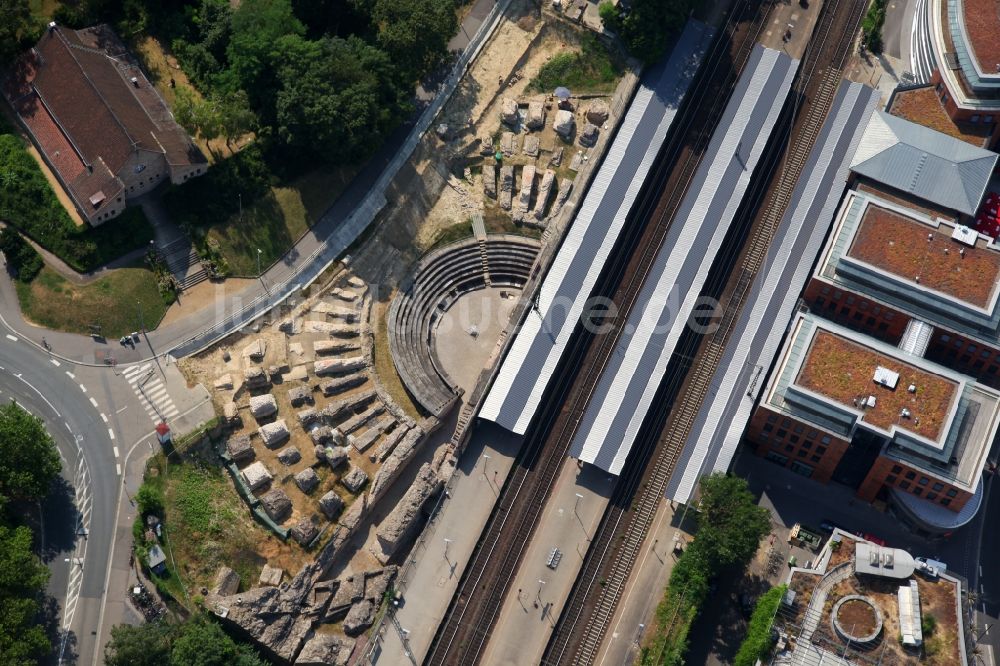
column 157, row 560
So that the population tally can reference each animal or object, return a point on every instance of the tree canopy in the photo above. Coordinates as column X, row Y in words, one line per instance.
column 196, row 642
column 22, row 580
column 29, row 461
column 645, row 25
column 16, row 27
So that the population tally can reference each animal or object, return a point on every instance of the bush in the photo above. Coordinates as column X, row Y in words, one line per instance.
column 21, row 256
column 928, row 623
column 871, row 26
column 591, row 68
column 758, row 641
column 150, row 499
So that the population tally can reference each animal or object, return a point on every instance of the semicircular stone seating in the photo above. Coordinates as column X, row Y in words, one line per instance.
column 441, row 277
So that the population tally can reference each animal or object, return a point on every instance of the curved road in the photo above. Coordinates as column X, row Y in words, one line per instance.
column 78, row 522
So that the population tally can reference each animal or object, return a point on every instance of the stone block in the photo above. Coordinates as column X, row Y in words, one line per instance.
column 289, row 456
column 275, row 433
column 354, row 480
column 331, row 504
column 277, row 505
column 240, row 449
column 256, row 475
column 263, row 406
column 307, row 480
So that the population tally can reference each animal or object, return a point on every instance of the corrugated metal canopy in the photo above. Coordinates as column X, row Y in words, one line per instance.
column 670, row 292
column 921, row 161
column 542, row 338
column 756, row 338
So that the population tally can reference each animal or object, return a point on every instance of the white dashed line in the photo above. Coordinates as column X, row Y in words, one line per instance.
column 83, row 388
column 70, row 375
column 93, row 402
column 67, row 427
column 121, row 410
column 116, row 451
column 11, row 337
column 104, row 417
column 118, row 469
column 111, row 433
column 54, row 362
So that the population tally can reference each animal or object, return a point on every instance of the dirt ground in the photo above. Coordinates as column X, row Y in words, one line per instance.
column 200, row 295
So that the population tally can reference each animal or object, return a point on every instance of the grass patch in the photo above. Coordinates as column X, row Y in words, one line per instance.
column 53, row 302
column 591, row 69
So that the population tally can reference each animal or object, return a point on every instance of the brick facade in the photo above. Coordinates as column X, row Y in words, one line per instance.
column 796, row 445
column 855, row 311
column 904, row 478
column 966, row 115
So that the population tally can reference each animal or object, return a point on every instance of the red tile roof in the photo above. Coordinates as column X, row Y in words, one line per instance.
column 982, row 24
column 74, row 92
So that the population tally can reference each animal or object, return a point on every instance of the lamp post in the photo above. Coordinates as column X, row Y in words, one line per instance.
column 578, row 498
column 260, row 274
column 486, row 460
column 447, row 542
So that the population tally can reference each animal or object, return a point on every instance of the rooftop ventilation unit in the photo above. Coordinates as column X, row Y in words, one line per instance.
column 886, row 377
column 905, row 413
column 965, row 235
column 912, row 388
column 870, row 402
column 135, row 81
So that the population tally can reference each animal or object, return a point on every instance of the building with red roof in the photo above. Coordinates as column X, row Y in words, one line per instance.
column 97, row 120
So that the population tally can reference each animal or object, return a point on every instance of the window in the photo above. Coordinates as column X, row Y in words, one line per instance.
column 870, row 321
column 786, row 423
column 845, row 310
column 924, row 481
column 918, row 491
column 858, row 315
column 801, row 468
column 985, row 353
column 837, row 294
column 802, row 453
column 896, row 469
column 911, row 475
column 945, row 337
column 825, row 290
column 820, row 450
column 776, row 457
column 945, row 502
column 789, row 448
column 951, row 492
column 958, row 343
column 889, row 315
column 937, row 487
column 978, row 365
column 772, row 418
column 904, row 485
column 972, row 349
column 820, row 302
column 891, row 480
column 876, row 310
column 768, row 427
column 992, row 369
column 931, row 497
column 799, row 429
column 794, row 439
column 938, row 87
column 815, row 459
column 883, row 327
column 964, row 358
column 987, row 119
column 813, row 434
column 807, row 445
column 850, row 300
column 826, row 439
column 781, row 433
column 974, row 118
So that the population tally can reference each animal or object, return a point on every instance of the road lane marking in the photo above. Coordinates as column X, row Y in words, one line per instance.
column 122, row 409
column 116, row 451
column 104, row 417
column 83, row 388
column 93, row 402
column 111, row 433
column 11, row 337
column 118, row 469
column 70, row 375
column 54, row 362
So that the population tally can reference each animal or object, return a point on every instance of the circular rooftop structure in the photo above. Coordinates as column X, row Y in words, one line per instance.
column 856, row 618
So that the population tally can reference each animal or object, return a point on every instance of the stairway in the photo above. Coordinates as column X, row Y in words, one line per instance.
column 184, row 263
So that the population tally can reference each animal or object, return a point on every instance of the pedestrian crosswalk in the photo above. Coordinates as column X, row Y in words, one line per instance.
column 147, row 384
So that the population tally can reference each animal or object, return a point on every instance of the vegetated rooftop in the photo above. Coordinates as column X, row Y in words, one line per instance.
column 922, row 106
column 844, row 371
column 900, row 245
column 982, row 21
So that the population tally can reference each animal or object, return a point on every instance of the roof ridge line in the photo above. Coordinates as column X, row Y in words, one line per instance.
column 97, row 91
column 62, row 130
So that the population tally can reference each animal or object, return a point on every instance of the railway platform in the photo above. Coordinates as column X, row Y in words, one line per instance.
column 539, row 592
column 437, row 561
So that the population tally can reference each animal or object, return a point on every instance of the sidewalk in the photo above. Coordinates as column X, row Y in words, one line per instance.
column 430, row 578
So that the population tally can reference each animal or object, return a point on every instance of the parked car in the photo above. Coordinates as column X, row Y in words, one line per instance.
column 874, row 539
column 829, row 526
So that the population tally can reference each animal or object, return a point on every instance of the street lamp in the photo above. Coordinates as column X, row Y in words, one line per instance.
column 486, row 460
column 447, row 542
column 260, row 274
column 578, row 498
column 541, row 584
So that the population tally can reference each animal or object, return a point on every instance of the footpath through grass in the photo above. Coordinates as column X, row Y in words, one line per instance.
column 111, row 302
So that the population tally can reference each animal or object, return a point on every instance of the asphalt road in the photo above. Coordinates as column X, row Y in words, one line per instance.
column 77, row 557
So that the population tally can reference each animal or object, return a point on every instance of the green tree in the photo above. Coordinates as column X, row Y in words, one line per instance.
column 201, row 642
column 415, row 33
column 758, row 641
column 20, row 254
column 235, row 116
column 254, row 50
column 737, row 523
column 22, row 579
column 149, row 499
column 29, row 461
column 338, row 98
column 15, row 24
column 143, row 645
column 645, row 26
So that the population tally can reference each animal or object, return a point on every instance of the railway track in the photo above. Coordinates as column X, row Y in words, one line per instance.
column 466, row 628
column 839, row 20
